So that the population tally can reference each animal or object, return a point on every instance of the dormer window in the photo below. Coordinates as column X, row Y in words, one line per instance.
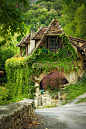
column 53, row 43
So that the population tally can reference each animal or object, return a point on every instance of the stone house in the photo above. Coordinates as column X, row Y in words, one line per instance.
column 50, row 38
column 47, row 36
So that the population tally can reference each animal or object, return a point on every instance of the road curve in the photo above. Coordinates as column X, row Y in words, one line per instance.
column 69, row 116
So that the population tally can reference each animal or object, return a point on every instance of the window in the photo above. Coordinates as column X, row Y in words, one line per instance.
column 53, row 44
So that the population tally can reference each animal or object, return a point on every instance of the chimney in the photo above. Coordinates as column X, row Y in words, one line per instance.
column 32, row 33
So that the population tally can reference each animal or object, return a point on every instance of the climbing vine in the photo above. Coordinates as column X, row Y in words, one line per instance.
column 22, row 70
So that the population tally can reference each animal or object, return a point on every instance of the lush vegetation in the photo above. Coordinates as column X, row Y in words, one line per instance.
column 70, row 17
column 74, row 90
column 82, row 100
column 14, row 21
column 12, row 17
column 37, row 15
column 73, row 21
column 4, row 55
column 76, row 1
column 40, row 14
column 22, row 70
column 52, row 83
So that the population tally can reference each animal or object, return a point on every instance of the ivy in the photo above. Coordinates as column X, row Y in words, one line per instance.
column 22, row 70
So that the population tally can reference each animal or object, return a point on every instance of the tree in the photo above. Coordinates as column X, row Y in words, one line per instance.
column 40, row 15
column 12, row 17
column 80, row 22
column 68, row 2
column 80, row 2
column 67, row 18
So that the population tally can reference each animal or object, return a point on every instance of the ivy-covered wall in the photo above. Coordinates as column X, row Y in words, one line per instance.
column 22, row 70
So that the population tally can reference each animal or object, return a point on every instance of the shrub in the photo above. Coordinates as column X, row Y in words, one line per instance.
column 4, row 55
column 3, row 95
column 52, row 82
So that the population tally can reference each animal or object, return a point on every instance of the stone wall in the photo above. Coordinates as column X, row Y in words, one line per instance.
column 15, row 115
column 44, row 100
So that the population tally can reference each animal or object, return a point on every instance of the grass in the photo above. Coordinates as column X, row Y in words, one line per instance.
column 82, row 100
column 74, row 90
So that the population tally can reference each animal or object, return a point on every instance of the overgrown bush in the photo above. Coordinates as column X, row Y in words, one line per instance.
column 4, row 55
column 21, row 71
column 52, row 82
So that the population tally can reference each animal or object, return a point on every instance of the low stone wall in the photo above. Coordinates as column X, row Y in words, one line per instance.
column 15, row 115
column 44, row 100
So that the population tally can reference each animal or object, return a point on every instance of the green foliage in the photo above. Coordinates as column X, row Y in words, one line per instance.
column 2, row 42
column 80, row 22
column 39, row 1
column 74, row 90
column 3, row 95
column 71, row 17
column 68, row 2
column 22, row 70
column 4, row 55
column 42, row 14
column 12, row 18
column 19, row 83
column 73, row 20
column 82, row 100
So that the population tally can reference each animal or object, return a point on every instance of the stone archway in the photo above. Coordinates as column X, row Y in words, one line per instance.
column 54, row 77
column 71, row 77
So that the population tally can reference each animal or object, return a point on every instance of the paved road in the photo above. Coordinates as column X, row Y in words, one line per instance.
column 70, row 116
column 64, row 117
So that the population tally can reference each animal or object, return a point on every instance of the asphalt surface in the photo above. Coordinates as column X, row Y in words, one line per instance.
column 63, row 117
column 69, row 116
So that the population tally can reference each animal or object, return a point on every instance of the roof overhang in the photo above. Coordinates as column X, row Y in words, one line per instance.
column 77, row 39
column 77, row 46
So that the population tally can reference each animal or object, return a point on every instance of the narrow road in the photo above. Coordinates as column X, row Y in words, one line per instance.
column 64, row 117
column 70, row 116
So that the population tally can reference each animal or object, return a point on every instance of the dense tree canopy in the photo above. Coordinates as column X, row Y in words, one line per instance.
column 12, row 17
column 71, row 17
column 73, row 20
column 77, row 1
column 42, row 14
